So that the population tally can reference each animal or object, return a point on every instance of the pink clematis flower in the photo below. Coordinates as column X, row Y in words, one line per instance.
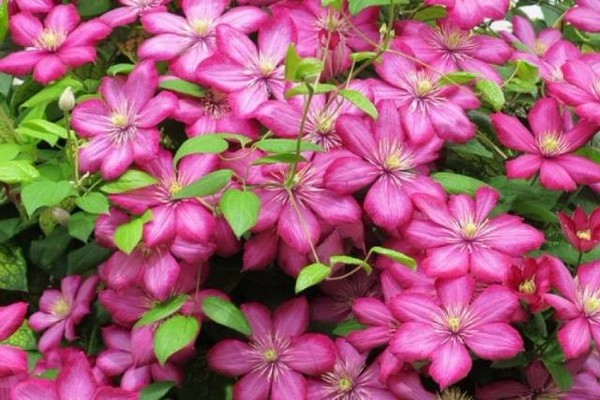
column 385, row 160
column 122, row 127
column 131, row 10
column 251, row 74
column 350, row 378
column 447, row 48
column 460, row 236
column 61, row 310
column 530, row 280
column 469, row 13
column 427, row 108
column 380, row 324
column 578, row 306
column 186, row 42
column 54, row 46
column 443, row 332
column 585, row 15
column 581, row 230
column 279, row 353
column 549, row 147
column 13, row 361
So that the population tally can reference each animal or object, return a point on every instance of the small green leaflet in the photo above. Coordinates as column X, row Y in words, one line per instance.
column 312, row 275
column 356, row 6
column 286, row 158
column 395, row 255
column 13, row 268
column 304, row 88
column 455, row 183
column 130, row 180
column 173, row 335
column 24, row 338
column 207, row 185
column 8, row 151
column 3, row 19
column 120, row 69
column 347, row 327
column 286, row 146
column 93, row 203
column 225, row 313
column 491, row 93
column 41, row 129
column 53, row 92
column 457, row 78
column 17, row 171
column 129, row 235
column 204, row 144
column 156, row 390
column 241, row 209
column 163, row 310
column 183, row 87
column 45, row 194
column 350, row 261
column 81, row 225
column 361, row 101
column 560, row 374
column 292, row 59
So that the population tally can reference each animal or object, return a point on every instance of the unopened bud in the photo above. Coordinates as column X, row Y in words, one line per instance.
column 61, row 216
column 66, row 102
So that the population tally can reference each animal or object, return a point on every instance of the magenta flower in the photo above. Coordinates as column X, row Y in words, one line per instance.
column 186, row 42
column 279, row 353
column 585, row 15
column 460, row 236
column 443, row 333
column 385, row 160
column 578, row 306
column 447, row 48
column 468, row 13
column 349, row 379
column 549, row 146
column 380, row 324
column 131, row 10
column 581, row 230
column 54, row 46
column 530, row 280
column 426, row 107
column 122, row 127
column 62, row 310
column 251, row 74
column 13, row 361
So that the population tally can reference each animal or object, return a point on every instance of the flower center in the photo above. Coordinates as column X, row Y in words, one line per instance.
column 345, row 384
column 61, row 307
column 266, row 66
column 585, row 235
column 175, row 188
column 50, row 39
column 591, row 305
column 527, row 286
column 270, row 355
column 424, row 87
column 119, row 120
column 454, row 324
column 551, row 144
column 395, row 161
column 202, row 27
column 540, row 48
column 470, row 230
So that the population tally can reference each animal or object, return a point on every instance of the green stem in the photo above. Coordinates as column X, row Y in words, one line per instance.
column 73, row 146
column 491, row 144
column 579, row 258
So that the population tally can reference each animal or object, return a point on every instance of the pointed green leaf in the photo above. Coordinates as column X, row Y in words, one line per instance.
column 183, row 87
column 361, row 101
column 129, row 235
column 45, row 194
column 241, row 209
column 174, row 335
column 350, row 261
column 312, row 275
column 130, row 180
column 13, row 268
column 396, row 256
column 286, row 146
column 225, row 313
column 156, row 390
column 93, row 203
column 207, row 185
column 163, row 310
column 491, row 93
column 204, row 144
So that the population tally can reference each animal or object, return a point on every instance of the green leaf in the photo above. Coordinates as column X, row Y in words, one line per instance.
column 304, row 88
column 120, row 69
column 363, row 56
column 205, row 144
column 81, row 225
column 207, row 185
column 23, row 338
column 396, row 256
column 347, row 327
column 53, row 92
column 163, row 310
column 241, row 209
column 8, row 151
column 156, row 390
column 357, row 6
column 41, row 129
column 286, row 146
column 87, row 258
column 312, row 275
column 130, row 180
column 335, row 4
column 45, row 194
column 472, row 147
column 3, row 19
column 361, row 101
column 430, row 13
column 13, row 268
column 286, row 158
column 560, row 374
column 527, row 72
column 292, row 60
column 457, row 78
column 17, row 171
column 455, row 183
column 90, row 8
column 350, row 261
column 183, row 87
column 491, row 93
column 129, row 235
column 93, row 203
column 173, row 335
column 308, row 68
column 225, row 313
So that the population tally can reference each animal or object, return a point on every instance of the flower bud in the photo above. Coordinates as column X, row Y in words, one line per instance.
column 61, row 216
column 66, row 102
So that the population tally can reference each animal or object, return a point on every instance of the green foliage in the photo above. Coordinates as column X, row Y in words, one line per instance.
column 45, row 194
column 173, row 335
column 156, row 390
column 183, row 87
column 207, row 185
column 241, row 209
column 227, row 314
column 13, row 268
column 312, row 275
column 204, row 144
column 130, row 180
column 129, row 235
column 163, row 310
column 356, row 6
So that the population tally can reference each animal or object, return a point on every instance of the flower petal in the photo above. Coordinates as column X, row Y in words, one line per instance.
column 497, row 341
column 230, row 357
column 311, row 354
column 450, row 363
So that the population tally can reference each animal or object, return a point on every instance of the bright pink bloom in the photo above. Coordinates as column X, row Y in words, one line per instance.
column 278, row 354
column 131, row 10
column 380, row 324
column 251, row 74
column 36, row 6
column 579, row 307
column 427, row 108
column 122, row 127
column 530, row 280
column 443, row 334
column 186, row 42
column 387, row 162
column 468, row 13
column 13, row 361
column 549, row 145
column 447, row 48
column 585, row 15
column 330, row 35
column 61, row 310
column 54, row 46
column 407, row 385
column 349, row 379
column 581, row 230
column 460, row 236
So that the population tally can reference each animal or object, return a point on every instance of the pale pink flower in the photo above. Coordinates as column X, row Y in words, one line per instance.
column 444, row 332
column 13, row 361
column 585, row 15
column 468, row 13
column 187, row 41
column 53, row 46
column 131, row 10
column 549, row 146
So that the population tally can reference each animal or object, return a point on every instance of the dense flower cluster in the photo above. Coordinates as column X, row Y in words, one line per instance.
column 411, row 170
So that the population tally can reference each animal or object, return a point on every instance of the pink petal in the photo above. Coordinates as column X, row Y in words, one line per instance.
column 166, row 46
column 162, row 228
column 114, row 362
column 370, row 338
column 415, row 307
column 582, row 170
column 575, row 337
column 450, row 363
column 455, row 293
column 246, row 101
column 236, row 45
column 451, row 123
column 425, row 234
column 253, row 386
column 11, row 318
column 415, row 341
column 52, row 337
column 347, row 175
column 554, row 177
column 570, row 94
column 494, row 304
column 203, row 9
column 194, row 222
column 75, row 381
column 87, row 34
column 136, row 378
column 158, row 109
column 273, row 38
column 230, row 357
column 141, row 85
column 13, row 361
column 164, row 22
column 25, row 29
column 524, row 30
column 117, row 161
column 298, row 227
column 545, row 117
column 335, row 209
column 244, row 19
column 259, row 318
column 21, row 62
column 513, row 134
column 489, row 265
column 49, row 69
column 523, row 167
column 372, row 311
column 63, row 18
column 449, row 261
column 387, row 204
column 292, row 317
column 91, row 117
column 223, row 74
column 161, row 274
column 280, row 117
column 526, row 238
column 35, row 389
column 564, row 308
column 435, row 209
column 260, row 251
column 497, row 341
column 288, row 385
column 357, row 135
column 311, row 354
column 77, row 56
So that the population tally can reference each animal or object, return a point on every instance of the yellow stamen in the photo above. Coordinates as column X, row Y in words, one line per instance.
column 424, row 86
column 51, row 39
column 270, row 355
column 539, row 48
column 592, row 305
column 470, row 229
column 175, row 188
column 585, row 235
column 61, row 307
column 454, row 324
column 201, row 27
column 345, row 384
column 119, row 120
column 394, row 161
column 527, row 287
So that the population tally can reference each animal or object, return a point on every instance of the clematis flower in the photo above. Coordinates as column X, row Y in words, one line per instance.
column 385, row 160
column 350, row 378
column 530, row 280
column 539, row 382
column 381, row 325
column 447, row 48
column 549, row 147
column 131, row 10
column 443, row 332
column 460, row 236
column 427, row 108
column 578, row 306
column 62, row 310
column 122, row 126
column 53, row 46
column 13, row 361
column 469, row 13
column 186, row 42
column 585, row 15
column 279, row 353
column 581, row 230
column 251, row 74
